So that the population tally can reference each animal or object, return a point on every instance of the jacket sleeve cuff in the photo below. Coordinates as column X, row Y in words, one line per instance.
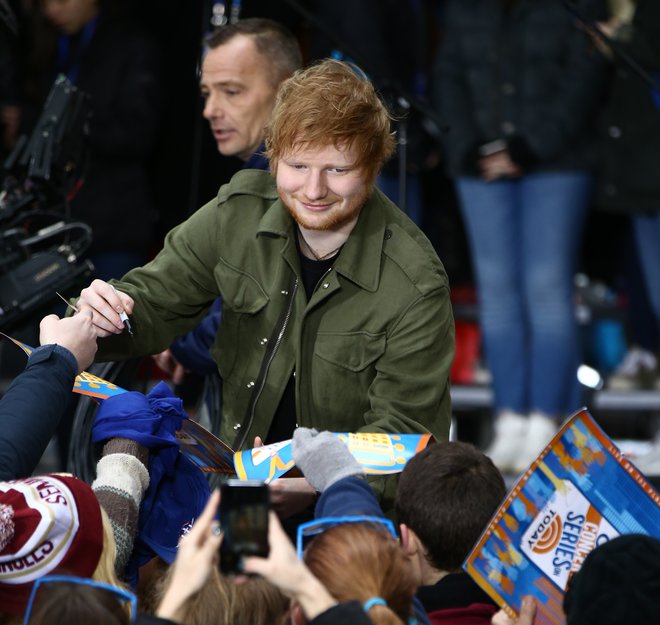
column 56, row 352
column 520, row 151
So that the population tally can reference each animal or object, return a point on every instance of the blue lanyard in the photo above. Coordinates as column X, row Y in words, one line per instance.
column 64, row 45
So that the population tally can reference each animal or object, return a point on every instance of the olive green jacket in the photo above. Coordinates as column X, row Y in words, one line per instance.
column 371, row 350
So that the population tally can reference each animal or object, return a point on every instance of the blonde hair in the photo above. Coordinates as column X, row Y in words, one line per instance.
column 356, row 561
column 220, row 602
column 330, row 104
column 258, row 602
column 208, row 606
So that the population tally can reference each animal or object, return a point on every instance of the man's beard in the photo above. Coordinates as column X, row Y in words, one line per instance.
column 334, row 219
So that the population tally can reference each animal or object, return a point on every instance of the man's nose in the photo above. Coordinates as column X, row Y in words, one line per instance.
column 315, row 187
column 212, row 107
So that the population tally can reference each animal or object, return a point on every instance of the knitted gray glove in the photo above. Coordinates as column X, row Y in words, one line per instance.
column 323, row 458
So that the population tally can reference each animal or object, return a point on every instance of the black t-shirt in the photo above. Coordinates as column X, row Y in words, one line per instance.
column 284, row 421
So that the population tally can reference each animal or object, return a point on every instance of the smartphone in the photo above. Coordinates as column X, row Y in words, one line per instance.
column 244, row 507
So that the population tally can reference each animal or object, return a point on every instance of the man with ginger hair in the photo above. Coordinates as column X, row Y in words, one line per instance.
column 336, row 307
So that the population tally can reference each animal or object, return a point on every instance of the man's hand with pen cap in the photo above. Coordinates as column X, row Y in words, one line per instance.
column 109, row 308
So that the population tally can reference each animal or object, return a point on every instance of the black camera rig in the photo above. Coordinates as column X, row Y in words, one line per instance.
column 41, row 248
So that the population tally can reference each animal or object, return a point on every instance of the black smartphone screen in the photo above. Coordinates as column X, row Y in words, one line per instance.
column 244, row 507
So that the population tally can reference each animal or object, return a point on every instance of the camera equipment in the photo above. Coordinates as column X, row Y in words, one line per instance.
column 41, row 249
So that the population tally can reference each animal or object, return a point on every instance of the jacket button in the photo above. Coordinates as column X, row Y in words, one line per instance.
column 326, row 285
column 263, row 341
column 387, row 235
column 284, row 292
column 614, row 132
column 250, row 384
column 237, row 426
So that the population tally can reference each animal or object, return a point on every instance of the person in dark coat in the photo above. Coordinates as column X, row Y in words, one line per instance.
column 517, row 82
column 31, row 408
column 628, row 181
column 112, row 61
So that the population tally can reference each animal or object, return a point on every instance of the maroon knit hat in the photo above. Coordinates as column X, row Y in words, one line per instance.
column 47, row 523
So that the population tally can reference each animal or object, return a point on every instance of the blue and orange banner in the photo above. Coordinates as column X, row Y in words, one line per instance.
column 204, row 449
column 580, row 492
column 378, row 453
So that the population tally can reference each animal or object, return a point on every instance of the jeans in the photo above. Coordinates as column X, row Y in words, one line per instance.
column 647, row 234
column 524, row 236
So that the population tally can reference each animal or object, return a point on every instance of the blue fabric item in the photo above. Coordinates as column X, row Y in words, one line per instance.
column 647, row 231
column 176, row 496
column 169, row 509
column 150, row 420
column 351, row 496
column 71, row 66
column 177, row 491
column 258, row 160
column 192, row 349
column 655, row 94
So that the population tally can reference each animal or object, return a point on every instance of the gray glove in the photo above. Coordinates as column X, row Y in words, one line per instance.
column 323, row 458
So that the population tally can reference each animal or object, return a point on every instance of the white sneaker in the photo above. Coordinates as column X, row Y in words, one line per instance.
column 509, row 439
column 540, row 431
column 637, row 370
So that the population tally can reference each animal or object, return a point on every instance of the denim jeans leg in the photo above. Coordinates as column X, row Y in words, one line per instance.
column 554, row 207
column 647, row 236
column 491, row 220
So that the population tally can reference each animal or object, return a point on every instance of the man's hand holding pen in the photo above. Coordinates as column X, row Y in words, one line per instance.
column 110, row 308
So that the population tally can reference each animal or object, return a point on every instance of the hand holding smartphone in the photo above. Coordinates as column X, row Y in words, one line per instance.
column 244, row 511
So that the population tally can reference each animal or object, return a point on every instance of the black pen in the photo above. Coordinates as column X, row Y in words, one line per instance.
column 123, row 317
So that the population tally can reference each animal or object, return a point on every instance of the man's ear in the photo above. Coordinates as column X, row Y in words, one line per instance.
column 409, row 540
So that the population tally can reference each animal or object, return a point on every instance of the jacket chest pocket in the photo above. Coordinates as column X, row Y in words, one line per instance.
column 353, row 351
column 343, row 368
column 241, row 292
column 242, row 298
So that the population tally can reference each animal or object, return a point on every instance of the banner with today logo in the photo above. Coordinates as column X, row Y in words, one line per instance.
column 579, row 493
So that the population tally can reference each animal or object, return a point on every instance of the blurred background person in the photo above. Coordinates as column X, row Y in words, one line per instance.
column 110, row 59
column 517, row 83
column 628, row 180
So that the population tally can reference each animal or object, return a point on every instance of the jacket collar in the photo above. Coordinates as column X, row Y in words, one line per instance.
column 360, row 257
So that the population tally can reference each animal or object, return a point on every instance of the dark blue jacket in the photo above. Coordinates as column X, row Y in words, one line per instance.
column 31, row 409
